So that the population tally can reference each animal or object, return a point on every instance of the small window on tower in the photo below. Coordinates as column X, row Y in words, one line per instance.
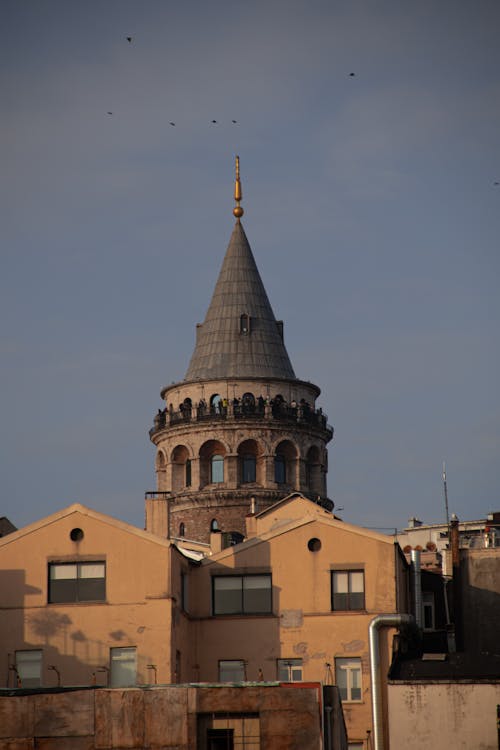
column 245, row 324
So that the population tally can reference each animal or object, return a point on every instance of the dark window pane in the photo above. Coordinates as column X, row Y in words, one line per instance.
column 188, row 473
column 257, row 594
column 249, row 469
column 340, row 601
column 279, row 469
column 91, row 590
column 357, row 601
column 227, row 595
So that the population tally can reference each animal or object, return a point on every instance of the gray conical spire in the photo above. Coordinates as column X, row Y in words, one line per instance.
column 240, row 336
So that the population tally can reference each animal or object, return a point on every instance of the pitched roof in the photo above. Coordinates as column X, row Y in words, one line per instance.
column 222, row 350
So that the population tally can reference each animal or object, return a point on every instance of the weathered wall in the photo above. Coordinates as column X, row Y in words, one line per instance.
column 156, row 718
column 464, row 713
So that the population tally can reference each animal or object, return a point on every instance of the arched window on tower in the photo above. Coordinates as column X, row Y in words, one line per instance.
column 182, row 529
column 285, row 464
column 214, row 525
column 188, row 472
column 217, row 469
column 215, row 404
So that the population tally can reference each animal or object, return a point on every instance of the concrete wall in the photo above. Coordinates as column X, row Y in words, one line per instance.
column 160, row 718
column 464, row 713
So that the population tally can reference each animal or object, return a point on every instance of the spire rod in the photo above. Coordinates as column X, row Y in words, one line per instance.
column 237, row 210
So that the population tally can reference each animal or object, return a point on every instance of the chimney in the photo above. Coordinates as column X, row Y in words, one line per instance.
column 215, row 542
column 250, row 520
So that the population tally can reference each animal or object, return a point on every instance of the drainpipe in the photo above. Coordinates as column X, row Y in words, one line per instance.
column 380, row 621
column 417, row 586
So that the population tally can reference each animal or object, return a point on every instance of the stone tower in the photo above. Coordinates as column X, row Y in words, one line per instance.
column 240, row 431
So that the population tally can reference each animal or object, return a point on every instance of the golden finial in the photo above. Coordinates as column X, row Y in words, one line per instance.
column 237, row 210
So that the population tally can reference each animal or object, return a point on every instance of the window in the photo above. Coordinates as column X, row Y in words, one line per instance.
column 220, row 739
column 428, row 610
column 348, row 678
column 348, row 589
column 232, row 670
column 188, row 472
column 214, row 525
column 123, row 666
column 248, row 468
column 289, row 670
column 242, row 595
column 182, row 529
column 217, row 469
column 29, row 668
column 77, row 582
column 279, row 469
column 245, row 324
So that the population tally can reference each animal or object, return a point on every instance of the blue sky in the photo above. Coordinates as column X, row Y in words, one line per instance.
column 370, row 206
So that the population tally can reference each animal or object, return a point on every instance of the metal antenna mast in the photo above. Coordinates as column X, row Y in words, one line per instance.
column 445, row 495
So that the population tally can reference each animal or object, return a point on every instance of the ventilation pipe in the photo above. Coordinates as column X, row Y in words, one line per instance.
column 380, row 621
column 417, row 586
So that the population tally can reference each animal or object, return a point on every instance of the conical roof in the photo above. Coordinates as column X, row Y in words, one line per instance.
column 228, row 344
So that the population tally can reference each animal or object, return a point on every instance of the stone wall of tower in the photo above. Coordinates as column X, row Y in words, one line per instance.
column 187, row 437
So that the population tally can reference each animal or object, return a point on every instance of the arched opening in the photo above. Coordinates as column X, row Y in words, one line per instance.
column 214, row 525
column 313, row 471
column 215, row 404
column 248, row 403
column 182, row 529
column 285, row 463
column 250, row 465
column 185, row 408
column 180, row 459
column 212, row 455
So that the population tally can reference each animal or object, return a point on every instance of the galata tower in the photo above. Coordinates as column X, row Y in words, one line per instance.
column 240, row 432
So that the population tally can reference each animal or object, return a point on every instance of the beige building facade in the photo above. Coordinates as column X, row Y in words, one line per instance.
column 90, row 600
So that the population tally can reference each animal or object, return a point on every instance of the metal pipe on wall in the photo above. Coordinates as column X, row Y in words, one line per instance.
column 380, row 621
column 417, row 586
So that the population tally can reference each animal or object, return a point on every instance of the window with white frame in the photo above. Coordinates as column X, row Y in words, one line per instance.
column 232, row 670
column 290, row 670
column 242, row 595
column 77, row 582
column 29, row 668
column 348, row 590
column 123, row 666
column 348, row 678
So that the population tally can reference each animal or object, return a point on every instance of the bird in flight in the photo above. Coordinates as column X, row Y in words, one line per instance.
column 172, row 123
column 110, row 113
column 129, row 39
column 235, row 122
column 352, row 74
column 214, row 122
column 496, row 183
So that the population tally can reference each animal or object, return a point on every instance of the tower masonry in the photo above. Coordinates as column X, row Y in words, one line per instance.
column 240, row 432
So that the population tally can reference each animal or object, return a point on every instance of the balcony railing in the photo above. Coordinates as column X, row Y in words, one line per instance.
column 299, row 414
